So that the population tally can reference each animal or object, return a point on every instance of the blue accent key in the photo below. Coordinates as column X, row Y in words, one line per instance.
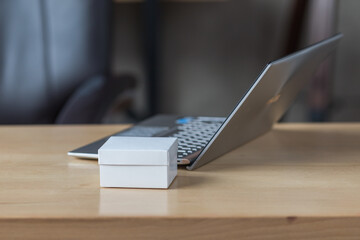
column 184, row 120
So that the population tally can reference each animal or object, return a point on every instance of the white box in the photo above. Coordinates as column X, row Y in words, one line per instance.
column 138, row 162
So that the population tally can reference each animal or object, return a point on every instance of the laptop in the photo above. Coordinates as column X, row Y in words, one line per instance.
column 203, row 139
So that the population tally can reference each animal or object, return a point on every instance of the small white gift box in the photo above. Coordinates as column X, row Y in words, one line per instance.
column 138, row 162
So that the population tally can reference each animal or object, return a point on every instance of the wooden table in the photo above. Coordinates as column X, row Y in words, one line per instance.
column 298, row 181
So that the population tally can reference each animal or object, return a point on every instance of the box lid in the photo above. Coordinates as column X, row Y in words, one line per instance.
column 137, row 151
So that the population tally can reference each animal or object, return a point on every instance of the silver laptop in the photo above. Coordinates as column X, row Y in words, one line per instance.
column 203, row 139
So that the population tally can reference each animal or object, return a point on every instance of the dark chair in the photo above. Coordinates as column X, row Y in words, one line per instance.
column 55, row 61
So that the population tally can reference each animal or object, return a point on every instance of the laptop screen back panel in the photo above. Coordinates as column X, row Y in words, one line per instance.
column 267, row 99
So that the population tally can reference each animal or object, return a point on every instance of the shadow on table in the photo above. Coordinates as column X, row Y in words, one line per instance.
column 189, row 181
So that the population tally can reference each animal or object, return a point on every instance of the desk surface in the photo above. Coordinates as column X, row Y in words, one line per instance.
column 299, row 180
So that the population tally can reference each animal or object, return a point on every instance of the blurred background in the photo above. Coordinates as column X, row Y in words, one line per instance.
column 95, row 61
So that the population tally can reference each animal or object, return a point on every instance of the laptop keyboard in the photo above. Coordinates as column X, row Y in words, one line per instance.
column 142, row 131
column 194, row 135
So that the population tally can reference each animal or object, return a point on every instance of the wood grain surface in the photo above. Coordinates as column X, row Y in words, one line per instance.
column 298, row 181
